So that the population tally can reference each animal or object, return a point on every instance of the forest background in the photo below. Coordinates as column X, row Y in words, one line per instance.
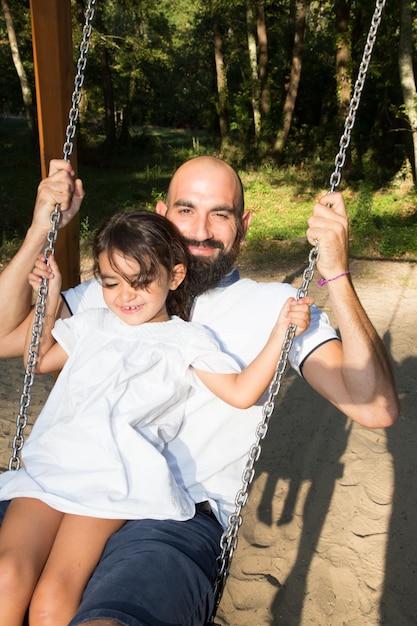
column 265, row 84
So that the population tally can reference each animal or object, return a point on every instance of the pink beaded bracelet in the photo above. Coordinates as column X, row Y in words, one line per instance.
column 323, row 281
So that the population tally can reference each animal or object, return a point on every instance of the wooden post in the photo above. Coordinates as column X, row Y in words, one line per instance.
column 54, row 79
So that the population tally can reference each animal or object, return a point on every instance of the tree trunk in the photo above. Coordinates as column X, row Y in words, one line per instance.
column 408, row 84
column 125, row 137
column 109, row 109
column 296, row 66
column 221, row 78
column 263, row 61
column 109, row 117
column 253, row 61
column 24, row 83
column 343, row 77
column 131, row 90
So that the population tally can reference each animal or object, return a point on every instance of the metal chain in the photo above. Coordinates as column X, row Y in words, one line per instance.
column 25, row 398
column 79, row 79
column 357, row 92
column 228, row 541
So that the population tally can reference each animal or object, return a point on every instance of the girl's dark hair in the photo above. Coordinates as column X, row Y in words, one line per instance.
column 151, row 240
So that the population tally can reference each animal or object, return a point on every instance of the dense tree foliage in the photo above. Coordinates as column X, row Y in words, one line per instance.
column 153, row 62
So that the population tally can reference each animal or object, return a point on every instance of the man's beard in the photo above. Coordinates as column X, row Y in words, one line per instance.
column 203, row 273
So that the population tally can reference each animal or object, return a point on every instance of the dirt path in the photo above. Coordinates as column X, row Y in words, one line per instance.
column 329, row 531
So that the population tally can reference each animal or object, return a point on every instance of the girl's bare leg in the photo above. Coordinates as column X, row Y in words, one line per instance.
column 26, row 536
column 77, row 549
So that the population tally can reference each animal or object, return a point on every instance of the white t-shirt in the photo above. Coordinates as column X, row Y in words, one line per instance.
column 210, row 451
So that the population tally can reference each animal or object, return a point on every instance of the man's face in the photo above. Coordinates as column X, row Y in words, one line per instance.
column 203, row 202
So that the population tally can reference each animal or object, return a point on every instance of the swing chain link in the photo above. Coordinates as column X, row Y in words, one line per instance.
column 79, row 80
column 357, row 92
column 55, row 218
column 25, row 398
column 228, row 541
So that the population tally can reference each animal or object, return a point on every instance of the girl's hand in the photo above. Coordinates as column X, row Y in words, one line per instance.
column 295, row 312
column 49, row 270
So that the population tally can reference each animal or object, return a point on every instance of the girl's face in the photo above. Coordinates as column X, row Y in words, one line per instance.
column 136, row 305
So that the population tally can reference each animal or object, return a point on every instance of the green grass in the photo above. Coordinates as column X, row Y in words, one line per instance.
column 383, row 223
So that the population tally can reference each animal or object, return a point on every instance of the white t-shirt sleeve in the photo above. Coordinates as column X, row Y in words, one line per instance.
column 203, row 352
column 319, row 332
column 67, row 332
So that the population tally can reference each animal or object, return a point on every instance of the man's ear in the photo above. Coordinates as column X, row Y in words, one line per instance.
column 161, row 208
column 177, row 276
column 246, row 220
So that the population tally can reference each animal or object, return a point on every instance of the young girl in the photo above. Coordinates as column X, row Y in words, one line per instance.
column 93, row 459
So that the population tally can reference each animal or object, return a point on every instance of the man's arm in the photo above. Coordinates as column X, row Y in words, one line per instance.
column 15, row 292
column 355, row 375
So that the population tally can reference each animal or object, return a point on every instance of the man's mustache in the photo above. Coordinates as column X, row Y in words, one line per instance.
column 207, row 243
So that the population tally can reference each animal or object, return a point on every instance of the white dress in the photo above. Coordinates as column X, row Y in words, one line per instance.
column 95, row 448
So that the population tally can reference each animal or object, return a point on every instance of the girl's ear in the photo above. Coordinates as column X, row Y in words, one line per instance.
column 177, row 276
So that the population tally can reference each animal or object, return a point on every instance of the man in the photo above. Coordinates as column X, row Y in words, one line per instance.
column 160, row 573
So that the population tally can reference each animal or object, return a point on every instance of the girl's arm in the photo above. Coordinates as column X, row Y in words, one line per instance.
column 244, row 389
column 51, row 356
